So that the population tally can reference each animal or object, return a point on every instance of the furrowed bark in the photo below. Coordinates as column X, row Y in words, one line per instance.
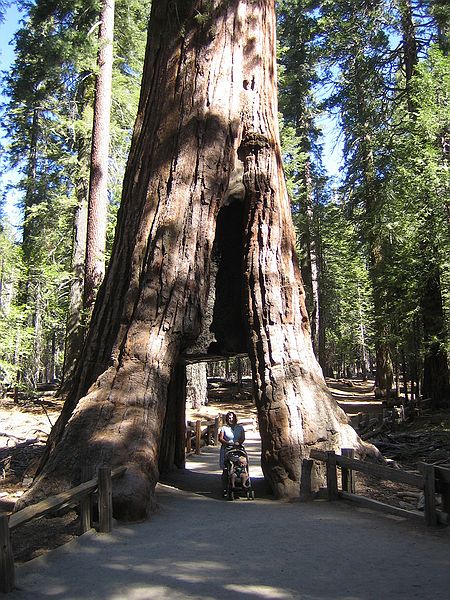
column 207, row 111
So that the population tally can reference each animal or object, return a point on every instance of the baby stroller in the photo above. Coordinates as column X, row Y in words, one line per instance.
column 238, row 480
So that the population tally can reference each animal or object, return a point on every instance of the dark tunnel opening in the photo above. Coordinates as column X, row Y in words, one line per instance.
column 229, row 324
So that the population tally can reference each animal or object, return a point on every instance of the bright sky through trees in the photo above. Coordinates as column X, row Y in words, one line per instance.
column 7, row 30
column 332, row 145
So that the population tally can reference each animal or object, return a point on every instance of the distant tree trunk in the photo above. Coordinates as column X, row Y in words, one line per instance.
column 363, row 339
column 311, row 260
column 30, row 192
column 196, row 385
column 98, row 184
column 208, row 105
column 37, row 331
column 74, row 328
column 409, row 44
column 76, row 321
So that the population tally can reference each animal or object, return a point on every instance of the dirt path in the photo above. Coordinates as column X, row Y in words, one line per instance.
column 199, row 547
column 24, row 428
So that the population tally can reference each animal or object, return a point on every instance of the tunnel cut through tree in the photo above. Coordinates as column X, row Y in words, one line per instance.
column 207, row 119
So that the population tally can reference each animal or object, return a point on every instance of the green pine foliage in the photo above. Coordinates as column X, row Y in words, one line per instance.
column 48, row 120
column 346, row 294
column 394, row 194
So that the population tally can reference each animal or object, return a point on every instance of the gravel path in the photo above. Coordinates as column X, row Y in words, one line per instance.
column 199, row 546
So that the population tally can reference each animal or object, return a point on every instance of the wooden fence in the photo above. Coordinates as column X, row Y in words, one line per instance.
column 81, row 495
column 196, row 431
column 431, row 480
column 393, row 412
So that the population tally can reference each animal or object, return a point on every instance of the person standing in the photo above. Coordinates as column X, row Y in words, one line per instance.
column 231, row 434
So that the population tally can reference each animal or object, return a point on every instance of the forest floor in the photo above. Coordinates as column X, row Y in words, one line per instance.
column 24, row 427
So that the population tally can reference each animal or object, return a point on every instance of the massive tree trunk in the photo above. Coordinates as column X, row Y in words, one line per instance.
column 208, row 109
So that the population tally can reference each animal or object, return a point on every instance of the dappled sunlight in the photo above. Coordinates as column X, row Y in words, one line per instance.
column 197, row 547
column 259, row 591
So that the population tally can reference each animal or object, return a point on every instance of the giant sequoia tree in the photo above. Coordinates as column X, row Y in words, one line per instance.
column 204, row 168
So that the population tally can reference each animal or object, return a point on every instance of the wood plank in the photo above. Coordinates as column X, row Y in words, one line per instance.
column 44, row 507
column 332, row 486
column 445, row 492
column 7, row 579
column 442, row 473
column 61, row 500
column 381, row 471
column 105, row 500
column 216, row 430
column 198, row 436
column 413, row 479
column 305, row 479
column 188, row 441
column 318, row 455
column 348, row 481
column 441, row 517
column 429, row 491
column 381, row 506
column 85, row 514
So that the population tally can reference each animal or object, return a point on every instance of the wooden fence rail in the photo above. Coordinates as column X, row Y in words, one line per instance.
column 431, row 480
column 81, row 494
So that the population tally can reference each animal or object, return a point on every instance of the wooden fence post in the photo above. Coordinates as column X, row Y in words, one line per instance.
column 86, row 503
column 348, row 481
column 198, row 436
column 105, row 499
column 445, row 492
column 239, row 373
column 332, row 486
column 216, row 430
column 7, row 582
column 305, row 479
column 188, row 440
column 429, row 489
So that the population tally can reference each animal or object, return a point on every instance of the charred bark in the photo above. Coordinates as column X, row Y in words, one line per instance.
column 208, row 108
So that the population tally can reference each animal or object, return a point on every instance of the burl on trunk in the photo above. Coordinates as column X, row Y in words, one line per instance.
column 207, row 117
